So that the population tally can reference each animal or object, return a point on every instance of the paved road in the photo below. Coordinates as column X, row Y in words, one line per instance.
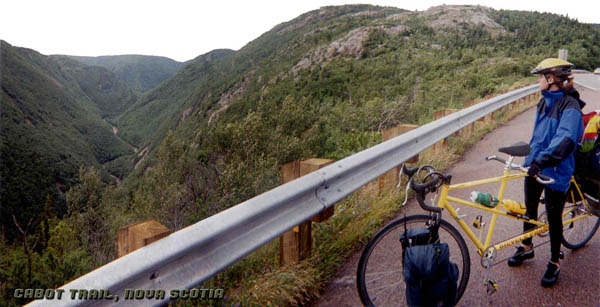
column 591, row 81
column 579, row 282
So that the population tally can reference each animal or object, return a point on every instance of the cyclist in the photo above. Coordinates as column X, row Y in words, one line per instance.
column 557, row 129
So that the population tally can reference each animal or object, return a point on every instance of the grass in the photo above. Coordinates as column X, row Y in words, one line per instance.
column 258, row 280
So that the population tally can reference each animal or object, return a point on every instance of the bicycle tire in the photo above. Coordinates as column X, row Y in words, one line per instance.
column 385, row 245
column 578, row 233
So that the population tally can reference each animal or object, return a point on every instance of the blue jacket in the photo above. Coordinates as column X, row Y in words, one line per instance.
column 557, row 130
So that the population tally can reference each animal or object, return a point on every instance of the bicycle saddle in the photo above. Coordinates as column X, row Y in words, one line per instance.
column 518, row 149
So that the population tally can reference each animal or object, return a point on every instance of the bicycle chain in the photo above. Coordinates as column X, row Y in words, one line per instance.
column 503, row 260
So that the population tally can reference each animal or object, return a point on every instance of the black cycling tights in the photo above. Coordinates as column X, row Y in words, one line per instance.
column 555, row 202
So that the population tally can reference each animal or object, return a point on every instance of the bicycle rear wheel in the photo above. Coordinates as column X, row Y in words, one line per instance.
column 380, row 277
column 578, row 233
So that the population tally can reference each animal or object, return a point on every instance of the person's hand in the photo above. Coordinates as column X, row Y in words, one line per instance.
column 533, row 170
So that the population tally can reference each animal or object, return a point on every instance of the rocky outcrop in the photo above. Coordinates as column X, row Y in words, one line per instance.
column 143, row 154
column 231, row 94
column 457, row 16
column 352, row 44
column 439, row 18
column 186, row 113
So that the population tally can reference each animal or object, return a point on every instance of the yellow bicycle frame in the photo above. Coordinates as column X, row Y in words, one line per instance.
column 445, row 200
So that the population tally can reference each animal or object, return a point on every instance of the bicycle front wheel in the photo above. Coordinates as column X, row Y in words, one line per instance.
column 578, row 233
column 380, row 276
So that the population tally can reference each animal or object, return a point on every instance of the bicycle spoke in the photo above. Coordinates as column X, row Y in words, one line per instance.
column 577, row 233
column 381, row 275
column 386, row 287
column 389, row 251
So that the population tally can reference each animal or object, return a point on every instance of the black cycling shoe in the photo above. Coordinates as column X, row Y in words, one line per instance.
column 551, row 275
column 520, row 256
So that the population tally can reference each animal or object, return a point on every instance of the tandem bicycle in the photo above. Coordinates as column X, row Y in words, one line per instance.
column 380, row 280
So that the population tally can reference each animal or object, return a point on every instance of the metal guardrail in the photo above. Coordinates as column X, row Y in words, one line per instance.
column 194, row 254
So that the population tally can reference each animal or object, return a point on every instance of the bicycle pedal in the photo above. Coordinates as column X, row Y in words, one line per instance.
column 561, row 255
column 491, row 286
column 477, row 222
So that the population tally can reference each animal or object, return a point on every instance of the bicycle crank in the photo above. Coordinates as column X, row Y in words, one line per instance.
column 485, row 261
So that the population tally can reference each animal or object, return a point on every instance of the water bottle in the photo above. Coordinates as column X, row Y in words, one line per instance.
column 514, row 207
column 485, row 199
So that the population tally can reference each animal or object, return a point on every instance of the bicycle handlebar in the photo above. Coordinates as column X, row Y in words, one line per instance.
column 544, row 179
column 512, row 165
column 494, row 157
column 409, row 171
column 422, row 190
column 539, row 177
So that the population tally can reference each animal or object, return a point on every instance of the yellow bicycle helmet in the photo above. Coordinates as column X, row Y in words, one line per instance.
column 557, row 67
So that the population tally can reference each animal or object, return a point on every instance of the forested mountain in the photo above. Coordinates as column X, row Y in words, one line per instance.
column 51, row 124
column 140, row 72
column 110, row 94
column 321, row 85
column 159, row 110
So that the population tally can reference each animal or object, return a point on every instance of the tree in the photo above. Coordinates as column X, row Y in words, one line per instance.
column 89, row 217
column 28, row 247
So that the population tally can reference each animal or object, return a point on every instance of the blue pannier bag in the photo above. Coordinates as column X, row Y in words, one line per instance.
column 431, row 278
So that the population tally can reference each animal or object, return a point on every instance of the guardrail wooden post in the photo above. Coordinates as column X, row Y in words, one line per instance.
column 292, row 242
column 563, row 54
column 470, row 129
column 309, row 166
column 504, row 109
column 390, row 179
column 488, row 118
column 442, row 145
column 296, row 244
column 134, row 236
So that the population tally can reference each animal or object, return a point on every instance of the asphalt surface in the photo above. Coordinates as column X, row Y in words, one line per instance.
column 589, row 81
column 579, row 281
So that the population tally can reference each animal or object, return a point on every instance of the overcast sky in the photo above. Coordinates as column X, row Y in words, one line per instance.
column 182, row 30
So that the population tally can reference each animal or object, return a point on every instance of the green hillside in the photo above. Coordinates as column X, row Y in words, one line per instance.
column 140, row 72
column 321, row 85
column 109, row 94
column 50, row 127
column 149, row 119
